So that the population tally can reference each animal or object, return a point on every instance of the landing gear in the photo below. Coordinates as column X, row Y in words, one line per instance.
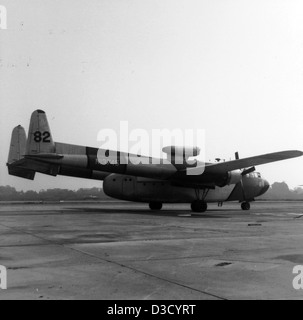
column 156, row 206
column 199, row 206
column 245, row 206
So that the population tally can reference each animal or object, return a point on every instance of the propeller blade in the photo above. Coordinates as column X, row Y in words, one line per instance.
column 243, row 173
column 247, row 171
column 243, row 190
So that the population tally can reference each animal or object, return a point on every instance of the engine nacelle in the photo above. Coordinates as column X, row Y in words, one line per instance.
column 181, row 152
column 233, row 177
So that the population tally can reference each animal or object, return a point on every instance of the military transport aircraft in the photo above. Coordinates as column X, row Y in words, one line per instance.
column 166, row 181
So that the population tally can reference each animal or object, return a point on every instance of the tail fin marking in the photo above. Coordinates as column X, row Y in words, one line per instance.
column 39, row 136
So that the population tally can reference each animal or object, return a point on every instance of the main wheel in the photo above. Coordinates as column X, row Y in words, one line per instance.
column 199, row 206
column 245, row 206
column 155, row 206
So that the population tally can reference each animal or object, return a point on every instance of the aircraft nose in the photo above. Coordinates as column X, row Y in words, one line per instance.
column 265, row 188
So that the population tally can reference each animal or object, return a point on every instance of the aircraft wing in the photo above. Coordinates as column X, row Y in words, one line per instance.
column 222, row 167
column 39, row 153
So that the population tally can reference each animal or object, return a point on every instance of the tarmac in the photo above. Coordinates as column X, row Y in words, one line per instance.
column 120, row 251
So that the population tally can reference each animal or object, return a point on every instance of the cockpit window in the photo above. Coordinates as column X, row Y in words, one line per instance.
column 254, row 175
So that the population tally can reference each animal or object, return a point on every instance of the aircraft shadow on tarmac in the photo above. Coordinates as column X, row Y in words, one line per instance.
column 213, row 214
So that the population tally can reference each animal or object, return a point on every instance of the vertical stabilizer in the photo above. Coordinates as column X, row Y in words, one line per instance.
column 16, row 155
column 18, row 145
column 39, row 136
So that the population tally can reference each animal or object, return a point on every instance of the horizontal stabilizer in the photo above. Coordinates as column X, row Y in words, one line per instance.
column 45, row 156
column 30, row 165
column 21, row 173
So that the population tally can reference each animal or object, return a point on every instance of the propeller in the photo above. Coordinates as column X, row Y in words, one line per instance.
column 244, row 173
column 247, row 171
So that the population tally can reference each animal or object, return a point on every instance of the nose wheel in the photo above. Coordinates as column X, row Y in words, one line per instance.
column 199, row 206
column 245, row 206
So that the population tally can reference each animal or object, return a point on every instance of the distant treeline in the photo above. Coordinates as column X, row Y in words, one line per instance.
column 281, row 191
column 278, row 191
column 8, row 193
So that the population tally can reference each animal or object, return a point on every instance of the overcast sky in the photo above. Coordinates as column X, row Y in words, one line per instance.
column 233, row 68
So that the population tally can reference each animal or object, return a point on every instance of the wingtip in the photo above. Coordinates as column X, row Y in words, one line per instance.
column 298, row 152
column 294, row 153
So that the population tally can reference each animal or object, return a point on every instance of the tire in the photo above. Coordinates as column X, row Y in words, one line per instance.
column 245, row 206
column 199, row 206
column 156, row 206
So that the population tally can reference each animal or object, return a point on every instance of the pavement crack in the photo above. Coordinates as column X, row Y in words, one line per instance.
column 115, row 263
column 147, row 274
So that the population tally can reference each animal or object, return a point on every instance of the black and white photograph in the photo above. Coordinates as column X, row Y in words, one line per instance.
column 151, row 151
